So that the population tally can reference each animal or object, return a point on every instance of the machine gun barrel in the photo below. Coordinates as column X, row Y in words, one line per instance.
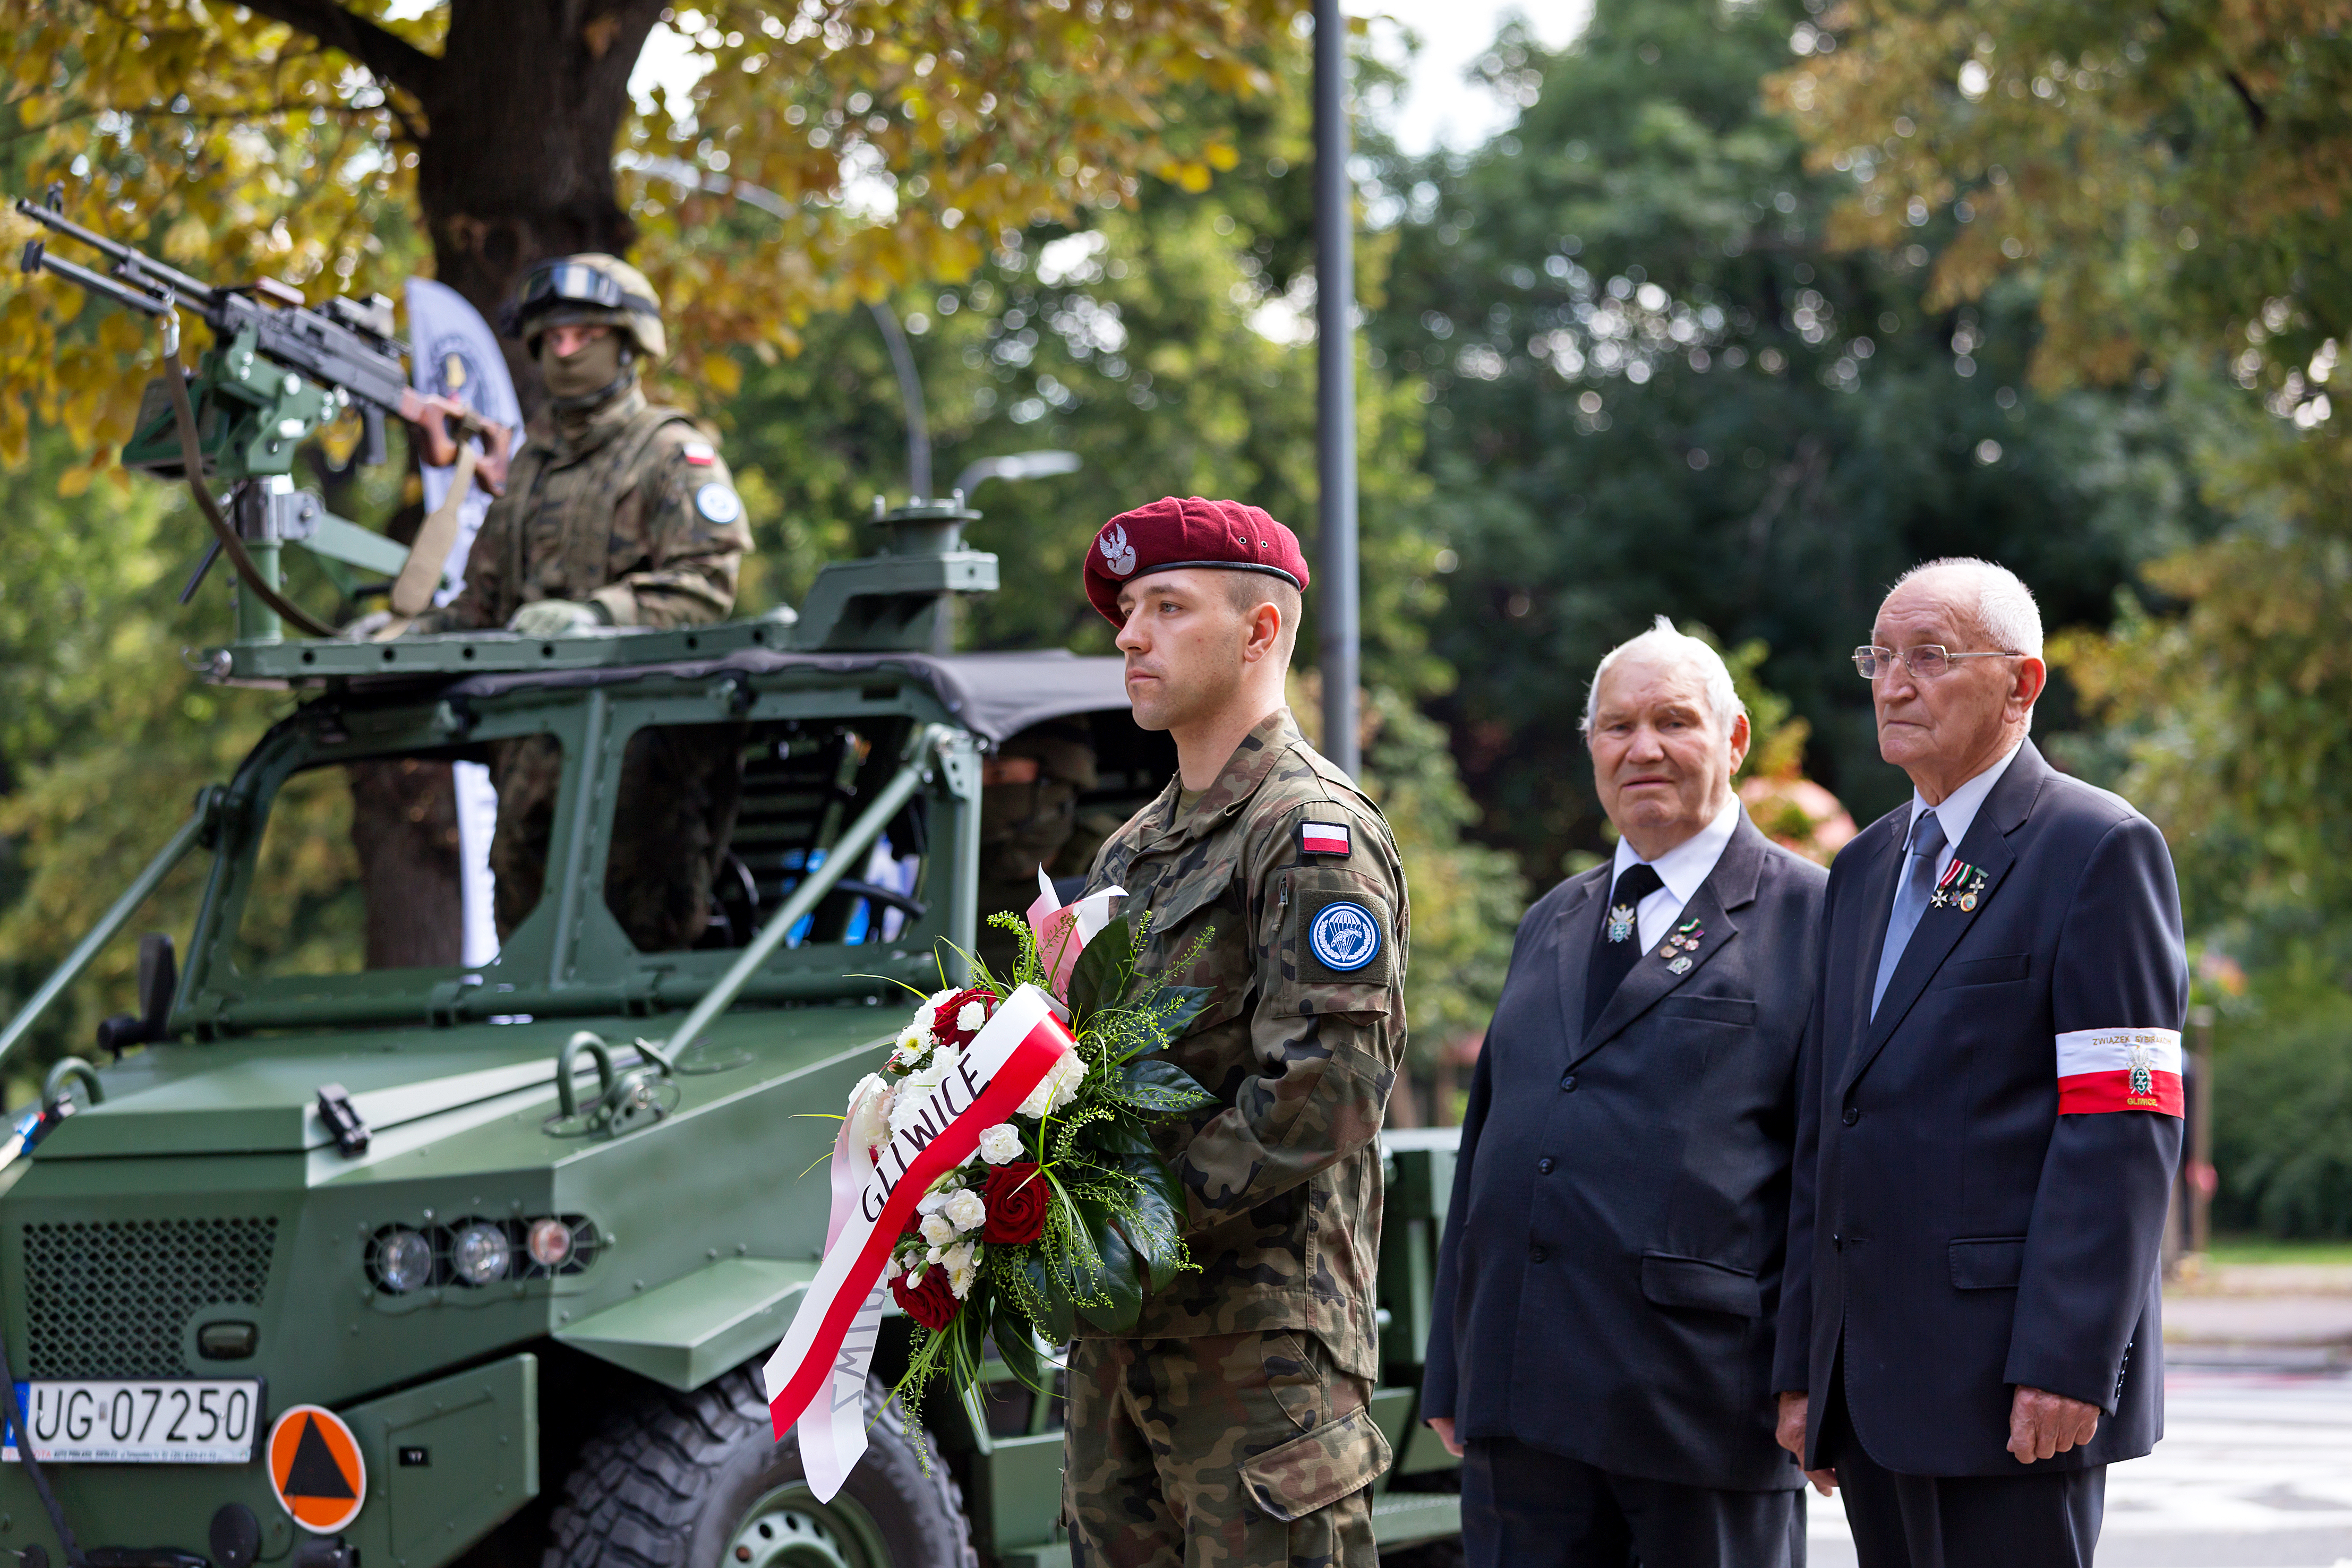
column 148, row 285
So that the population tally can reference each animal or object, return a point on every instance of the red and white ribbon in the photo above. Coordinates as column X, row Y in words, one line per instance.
column 2125, row 1069
column 816, row 1379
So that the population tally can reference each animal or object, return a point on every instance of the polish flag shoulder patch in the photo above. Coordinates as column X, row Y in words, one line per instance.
column 1325, row 839
column 699, row 454
column 2119, row 1069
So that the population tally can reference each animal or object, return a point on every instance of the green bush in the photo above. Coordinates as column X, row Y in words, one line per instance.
column 2282, row 1119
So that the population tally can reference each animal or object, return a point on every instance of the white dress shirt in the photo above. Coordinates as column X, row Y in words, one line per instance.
column 1958, row 811
column 1680, row 869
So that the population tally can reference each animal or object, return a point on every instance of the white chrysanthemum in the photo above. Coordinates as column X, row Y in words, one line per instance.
column 965, row 1211
column 934, row 1073
column 869, row 1112
column 1057, row 1088
column 970, row 1017
column 913, row 1043
column 962, row 1263
column 938, row 1230
column 1001, row 1145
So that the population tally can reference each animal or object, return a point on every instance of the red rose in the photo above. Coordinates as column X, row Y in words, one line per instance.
column 931, row 1304
column 1017, row 1197
column 944, row 1028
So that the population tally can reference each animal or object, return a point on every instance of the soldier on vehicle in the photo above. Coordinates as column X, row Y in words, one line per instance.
column 1232, row 1424
column 1028, row 813
column 618, row 512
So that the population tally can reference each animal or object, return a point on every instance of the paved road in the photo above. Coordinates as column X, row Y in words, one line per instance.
column 2255, row 1472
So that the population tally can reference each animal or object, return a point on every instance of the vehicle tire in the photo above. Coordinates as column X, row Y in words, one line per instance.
column 698, row 1480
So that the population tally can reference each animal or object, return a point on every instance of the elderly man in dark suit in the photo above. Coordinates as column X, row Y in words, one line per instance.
column 1991, row 1116
column 1611, row 1264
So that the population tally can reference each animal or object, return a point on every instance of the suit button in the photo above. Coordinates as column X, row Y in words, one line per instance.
column 1567, row 1083
column 1852, row 1114
column 1544, row 1165
column 1534, row 1254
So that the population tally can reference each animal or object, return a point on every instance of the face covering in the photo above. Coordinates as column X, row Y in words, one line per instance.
column 587, row 375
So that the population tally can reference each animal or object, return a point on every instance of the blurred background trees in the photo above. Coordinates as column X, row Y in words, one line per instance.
column 1750, row 305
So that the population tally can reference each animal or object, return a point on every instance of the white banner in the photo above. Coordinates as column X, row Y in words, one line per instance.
column 453, row 351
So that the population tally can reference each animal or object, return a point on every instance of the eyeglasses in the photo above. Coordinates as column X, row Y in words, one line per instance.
column 1927, row 662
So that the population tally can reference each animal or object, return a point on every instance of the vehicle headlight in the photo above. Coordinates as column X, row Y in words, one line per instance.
column 549, row 1243
column 404, row 1261
column 481, row 1254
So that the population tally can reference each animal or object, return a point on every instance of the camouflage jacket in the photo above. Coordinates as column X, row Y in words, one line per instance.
column 1300, row 1043
column 638, row 514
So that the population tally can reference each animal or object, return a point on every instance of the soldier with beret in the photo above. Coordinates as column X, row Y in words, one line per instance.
column 1231, row 1425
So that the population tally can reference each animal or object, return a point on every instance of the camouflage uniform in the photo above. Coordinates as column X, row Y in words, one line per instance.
column 1230, row 1425
column 618, row 515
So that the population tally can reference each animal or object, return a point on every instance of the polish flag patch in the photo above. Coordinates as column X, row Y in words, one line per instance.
column 699, row 454
column 2119, row 1069
column 1324, row 838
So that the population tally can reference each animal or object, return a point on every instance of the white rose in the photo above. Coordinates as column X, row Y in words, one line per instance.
column 938, row 1230
column 962, row 1264
column 970, row 1017
column 1057, row 1088
column 869, row 1112
column 965, row 1211
column 1001, row 1145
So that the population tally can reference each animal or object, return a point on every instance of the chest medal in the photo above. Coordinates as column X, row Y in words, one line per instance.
column 1681, row 943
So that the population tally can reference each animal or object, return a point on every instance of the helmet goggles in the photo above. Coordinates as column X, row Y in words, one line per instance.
column 569, row 285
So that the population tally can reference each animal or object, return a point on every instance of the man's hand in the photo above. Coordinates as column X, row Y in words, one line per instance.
column 2041, row 1425
column 1790, row 1435
column 1443, row 1426
column 556, row 618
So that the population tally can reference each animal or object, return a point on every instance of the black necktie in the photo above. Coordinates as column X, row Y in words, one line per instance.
column 1619, row 946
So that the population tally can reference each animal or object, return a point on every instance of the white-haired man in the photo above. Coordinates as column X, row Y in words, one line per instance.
column 1610, row 1267
column 1991, row 1117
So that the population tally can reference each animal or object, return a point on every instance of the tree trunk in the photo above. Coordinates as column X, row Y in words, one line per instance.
column 517, row 162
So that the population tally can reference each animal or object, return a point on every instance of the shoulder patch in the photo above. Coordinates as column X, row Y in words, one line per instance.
column 1344, row 935
column 699, row 454
column 1325, row 839
column 717, row 503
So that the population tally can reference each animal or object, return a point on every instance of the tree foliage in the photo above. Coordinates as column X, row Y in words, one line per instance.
column 828, row 153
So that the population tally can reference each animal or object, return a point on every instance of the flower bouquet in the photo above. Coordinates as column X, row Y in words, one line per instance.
column 996, row 1175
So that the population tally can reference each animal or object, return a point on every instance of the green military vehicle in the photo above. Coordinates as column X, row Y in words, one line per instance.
column 335, row 1264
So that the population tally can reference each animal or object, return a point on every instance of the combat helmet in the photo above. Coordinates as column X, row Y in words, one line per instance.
column 587, row 290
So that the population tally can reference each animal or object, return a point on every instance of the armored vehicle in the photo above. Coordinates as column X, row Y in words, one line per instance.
column 494, row 1250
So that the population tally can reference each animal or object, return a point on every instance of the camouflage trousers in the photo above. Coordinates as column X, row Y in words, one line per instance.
column 1238, row 1450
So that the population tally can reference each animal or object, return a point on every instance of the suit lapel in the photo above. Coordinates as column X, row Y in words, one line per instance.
column 1940, row 930
column 1730, row 885
column 1572, row 933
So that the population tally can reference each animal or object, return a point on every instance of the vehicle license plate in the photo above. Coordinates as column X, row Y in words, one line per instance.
column 169, row 1421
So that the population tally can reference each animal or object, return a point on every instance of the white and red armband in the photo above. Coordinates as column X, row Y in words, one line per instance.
column 2119, row 1069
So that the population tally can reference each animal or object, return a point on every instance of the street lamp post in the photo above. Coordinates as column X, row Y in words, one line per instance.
column 1335, row 363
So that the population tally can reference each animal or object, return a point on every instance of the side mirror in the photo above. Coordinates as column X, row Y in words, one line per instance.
column 159, row 979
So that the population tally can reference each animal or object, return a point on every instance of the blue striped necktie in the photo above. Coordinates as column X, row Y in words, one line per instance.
column 1910, row 899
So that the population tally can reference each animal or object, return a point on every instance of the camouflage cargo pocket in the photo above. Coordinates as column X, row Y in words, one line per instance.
column 1317, row 1469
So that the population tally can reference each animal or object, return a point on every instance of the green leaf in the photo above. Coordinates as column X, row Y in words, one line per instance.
column 1155, row 1229
column 1114, row 1135
column 1116, row 1286
column 1157, row 1085
column 1190, row 1002
column 1010, row 1330
column 1062, row 1320
column 1101, row 972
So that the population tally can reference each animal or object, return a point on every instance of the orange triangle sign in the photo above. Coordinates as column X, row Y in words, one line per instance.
column 316, row 1470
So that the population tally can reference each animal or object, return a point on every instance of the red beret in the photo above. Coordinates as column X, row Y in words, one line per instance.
column 1169, row 534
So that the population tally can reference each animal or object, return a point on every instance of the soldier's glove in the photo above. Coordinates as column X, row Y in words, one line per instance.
column 558, row 618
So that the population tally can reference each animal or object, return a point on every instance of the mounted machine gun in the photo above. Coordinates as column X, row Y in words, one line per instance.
column 276, row 371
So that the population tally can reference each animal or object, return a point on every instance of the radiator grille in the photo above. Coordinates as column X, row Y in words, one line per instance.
column 110, row 1299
